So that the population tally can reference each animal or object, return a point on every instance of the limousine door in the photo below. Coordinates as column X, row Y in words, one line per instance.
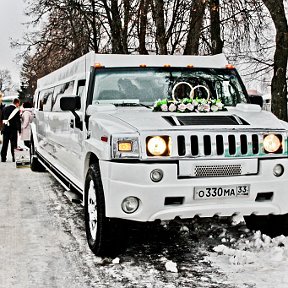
column 65, row 139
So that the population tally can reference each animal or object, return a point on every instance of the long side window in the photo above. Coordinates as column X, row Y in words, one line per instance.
column 59, row 91
column 45, row 100
column 81, row 88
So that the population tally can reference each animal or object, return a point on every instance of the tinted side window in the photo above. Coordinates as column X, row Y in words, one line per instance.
column 81, row 88
column 59, row 91
column 45, row 100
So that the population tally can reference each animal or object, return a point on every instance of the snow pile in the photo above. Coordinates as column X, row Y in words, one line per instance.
column 259, row 261
column 116, row 260
column 171, row 267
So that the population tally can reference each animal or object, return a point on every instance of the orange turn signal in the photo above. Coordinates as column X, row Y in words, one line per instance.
column 98, row 65
column 125, row 146
column 230, row 66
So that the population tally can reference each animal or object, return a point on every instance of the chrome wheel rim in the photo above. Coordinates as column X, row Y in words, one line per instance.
column 92, row 210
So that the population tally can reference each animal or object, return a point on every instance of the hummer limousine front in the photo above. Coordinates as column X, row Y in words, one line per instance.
column 148, row 138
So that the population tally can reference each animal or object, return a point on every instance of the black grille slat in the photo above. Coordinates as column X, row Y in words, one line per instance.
column 194, row 145
column 207, row 144
column 255, row 144
column 232, row 144
column 243, row 144
column 219, row 145
column 181, row 145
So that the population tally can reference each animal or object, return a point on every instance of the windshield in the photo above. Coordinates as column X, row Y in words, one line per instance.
column 147, row 85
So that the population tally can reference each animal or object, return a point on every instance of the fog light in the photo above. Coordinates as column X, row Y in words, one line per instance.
column 130, row 204
column 156, row 175
column 278, row 170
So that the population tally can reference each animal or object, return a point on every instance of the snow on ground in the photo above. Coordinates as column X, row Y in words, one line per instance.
column 258, row 261
column 43, row 244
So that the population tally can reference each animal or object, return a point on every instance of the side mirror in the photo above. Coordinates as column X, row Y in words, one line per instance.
column 256, row 100
column 70, row 103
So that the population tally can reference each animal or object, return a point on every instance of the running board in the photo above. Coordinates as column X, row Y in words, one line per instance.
column 72, row 196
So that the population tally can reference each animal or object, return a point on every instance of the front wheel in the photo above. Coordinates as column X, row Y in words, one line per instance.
column 105, row 237
column 271, row 225
column 35, row 165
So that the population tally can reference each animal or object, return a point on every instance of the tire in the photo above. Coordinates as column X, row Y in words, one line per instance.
column 271, row 225
column 35, row 165
column 106, row 237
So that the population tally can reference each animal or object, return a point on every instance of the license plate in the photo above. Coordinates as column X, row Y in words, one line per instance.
column 225, row 191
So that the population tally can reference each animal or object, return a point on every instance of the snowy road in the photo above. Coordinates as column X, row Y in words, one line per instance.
column 43, row 244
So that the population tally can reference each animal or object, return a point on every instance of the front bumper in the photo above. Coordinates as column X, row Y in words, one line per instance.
column 121, row 180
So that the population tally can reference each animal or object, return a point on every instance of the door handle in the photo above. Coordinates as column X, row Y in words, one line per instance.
column 71, row 123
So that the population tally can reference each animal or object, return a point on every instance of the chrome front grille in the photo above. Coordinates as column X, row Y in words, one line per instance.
column 227, row 145
column 218, row 170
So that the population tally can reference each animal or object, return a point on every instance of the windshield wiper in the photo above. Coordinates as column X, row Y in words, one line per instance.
column 132, row 104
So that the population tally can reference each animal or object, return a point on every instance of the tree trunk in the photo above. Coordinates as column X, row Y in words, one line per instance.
column 195, row 25
column 124, row 34
column 158, row 15
column 279, row 85
column 143, row 9
column 94, row 30
column 215, row 30
column 114, row 21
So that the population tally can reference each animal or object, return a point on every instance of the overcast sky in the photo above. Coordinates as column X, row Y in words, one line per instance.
column 11, row 18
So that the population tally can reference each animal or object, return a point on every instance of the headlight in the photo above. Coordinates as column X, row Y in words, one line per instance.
column 272, row 143
column 125, row 147
column 158, row 145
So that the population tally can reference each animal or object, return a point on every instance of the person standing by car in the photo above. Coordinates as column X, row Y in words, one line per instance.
column 26, row 119
column 1, row 109
column 11, row 127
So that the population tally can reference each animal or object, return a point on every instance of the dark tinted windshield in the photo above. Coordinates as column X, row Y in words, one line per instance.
column 146, row 85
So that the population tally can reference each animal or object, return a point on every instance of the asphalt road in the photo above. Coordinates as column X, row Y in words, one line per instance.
column 43, row 243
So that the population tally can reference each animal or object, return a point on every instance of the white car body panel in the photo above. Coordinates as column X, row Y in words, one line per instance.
column 68, row 149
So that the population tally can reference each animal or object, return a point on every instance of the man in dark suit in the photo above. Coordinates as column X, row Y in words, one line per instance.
column 1, row 109
column 11, row 127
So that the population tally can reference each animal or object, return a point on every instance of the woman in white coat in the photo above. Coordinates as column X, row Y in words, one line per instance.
column 26, row 119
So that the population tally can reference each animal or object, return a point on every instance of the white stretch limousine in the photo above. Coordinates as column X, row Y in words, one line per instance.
column 148, row 138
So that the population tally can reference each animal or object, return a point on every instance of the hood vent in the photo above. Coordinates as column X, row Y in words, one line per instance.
column 205, row 120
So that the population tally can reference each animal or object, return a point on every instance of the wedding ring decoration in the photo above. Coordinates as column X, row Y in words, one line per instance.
column 192, row 90
column 189, row 104
column 178, row 84
column 197, row 87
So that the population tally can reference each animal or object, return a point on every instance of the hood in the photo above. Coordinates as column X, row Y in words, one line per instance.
column 143, row 119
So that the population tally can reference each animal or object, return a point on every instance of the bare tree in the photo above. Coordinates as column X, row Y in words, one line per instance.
column 197, row 12
column 239, row 28
column 142, row 25
column 279, row 84
column 215, row 30
column 5, row 80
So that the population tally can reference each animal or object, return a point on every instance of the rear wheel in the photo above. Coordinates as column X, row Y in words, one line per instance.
column 35, row 165
column 271, row 225
column 106, row 237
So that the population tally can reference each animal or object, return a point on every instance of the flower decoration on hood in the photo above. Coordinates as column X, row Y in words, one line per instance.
column 189, row 104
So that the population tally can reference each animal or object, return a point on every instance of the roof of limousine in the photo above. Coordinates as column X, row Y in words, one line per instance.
column 82, row 65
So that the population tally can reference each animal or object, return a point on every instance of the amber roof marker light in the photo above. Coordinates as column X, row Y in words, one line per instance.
column 230, row 66
column 98, row 65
